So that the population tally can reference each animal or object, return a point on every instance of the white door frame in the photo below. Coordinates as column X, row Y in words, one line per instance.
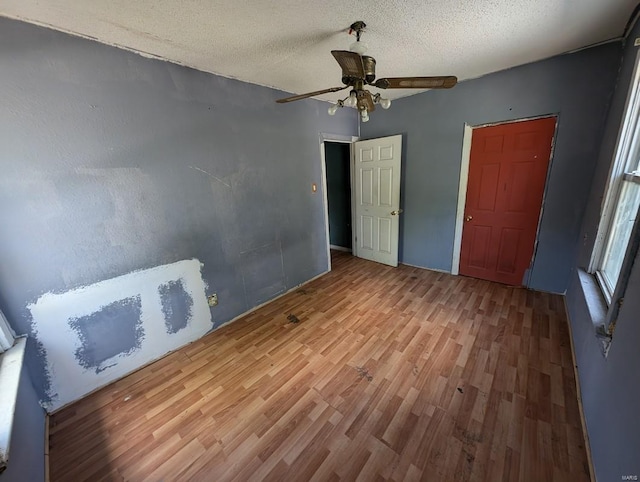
column 345, row 140
column 462, row 197
column 464, row 180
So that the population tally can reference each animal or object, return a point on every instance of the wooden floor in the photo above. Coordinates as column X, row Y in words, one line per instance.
column 387, row 374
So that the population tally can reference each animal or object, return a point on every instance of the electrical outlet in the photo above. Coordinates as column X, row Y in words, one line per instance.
column 212, row 299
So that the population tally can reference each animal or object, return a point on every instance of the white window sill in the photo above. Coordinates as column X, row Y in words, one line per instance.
column 10, row 367
column 597, row 306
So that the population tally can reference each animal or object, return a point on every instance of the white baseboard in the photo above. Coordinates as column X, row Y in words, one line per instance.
column 428, row 269
column 265, row 303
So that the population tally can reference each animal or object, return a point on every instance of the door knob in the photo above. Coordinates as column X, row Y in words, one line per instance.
column 468, row 217
column 395, row 213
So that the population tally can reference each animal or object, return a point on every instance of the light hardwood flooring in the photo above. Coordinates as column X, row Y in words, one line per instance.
column 389, row 374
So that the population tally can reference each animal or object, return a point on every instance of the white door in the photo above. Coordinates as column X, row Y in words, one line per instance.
column 377, row 200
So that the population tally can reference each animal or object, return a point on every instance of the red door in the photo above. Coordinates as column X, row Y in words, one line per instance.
column 507, row 174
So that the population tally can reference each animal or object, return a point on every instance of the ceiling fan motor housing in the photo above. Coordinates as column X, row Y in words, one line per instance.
column 369, row 64
column 369, row 68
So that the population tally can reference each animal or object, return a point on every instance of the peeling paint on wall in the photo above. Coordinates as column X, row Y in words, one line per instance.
column 96, row 334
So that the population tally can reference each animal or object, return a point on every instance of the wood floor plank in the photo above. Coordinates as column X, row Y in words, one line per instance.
column 390, row 374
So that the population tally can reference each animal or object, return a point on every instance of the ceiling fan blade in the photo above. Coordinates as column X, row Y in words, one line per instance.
column 365, row 100
column 442, row 82
column 350, row 62
column 310, row 94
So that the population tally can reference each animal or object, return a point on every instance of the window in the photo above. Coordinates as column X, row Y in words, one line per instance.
column 622, row 198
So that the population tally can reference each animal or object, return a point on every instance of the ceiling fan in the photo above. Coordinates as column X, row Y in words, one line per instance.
column 359, row 70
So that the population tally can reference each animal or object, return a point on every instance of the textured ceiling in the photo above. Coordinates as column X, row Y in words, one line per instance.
column 286, row 44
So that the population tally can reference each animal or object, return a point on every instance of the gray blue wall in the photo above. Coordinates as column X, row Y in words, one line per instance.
column 111, row 163
column 26, row 453
column 577, row 87
column 610, row 386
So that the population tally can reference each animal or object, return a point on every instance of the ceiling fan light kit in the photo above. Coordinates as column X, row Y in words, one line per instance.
column 359, row 70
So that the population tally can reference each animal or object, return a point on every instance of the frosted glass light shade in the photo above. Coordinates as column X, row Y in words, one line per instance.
column 358, row 47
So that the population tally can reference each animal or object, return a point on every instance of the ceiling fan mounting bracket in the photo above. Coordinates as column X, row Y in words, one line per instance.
column 357, row 27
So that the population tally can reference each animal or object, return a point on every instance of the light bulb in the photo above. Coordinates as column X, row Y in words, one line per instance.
column 332, row 110
column 365, row 118
column 351, row 101
column 364, row 115
column 385, row 103
column 358, row 47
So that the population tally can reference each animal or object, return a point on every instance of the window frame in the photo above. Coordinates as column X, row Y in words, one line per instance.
column 625, row 168
column 7, row 337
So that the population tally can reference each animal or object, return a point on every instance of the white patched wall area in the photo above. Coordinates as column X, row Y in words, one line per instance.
column 96, row 334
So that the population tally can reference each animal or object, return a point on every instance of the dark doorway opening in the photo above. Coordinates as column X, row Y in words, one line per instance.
column 338, row 166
